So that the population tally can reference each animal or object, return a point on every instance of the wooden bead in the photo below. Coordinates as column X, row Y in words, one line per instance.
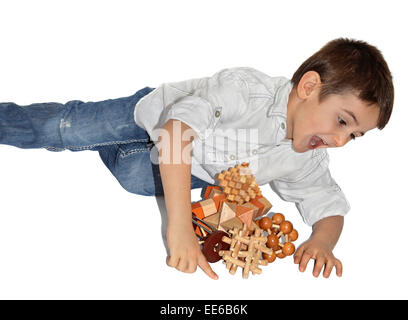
column 280, row 255
column 286, row 227
column 274, row 230
column 278, row 218
column 265, row 223
column 272, row 241
column 288, row 249
column 269, row 257
column 293, row 235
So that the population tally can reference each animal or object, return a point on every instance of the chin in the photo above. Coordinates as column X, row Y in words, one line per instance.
column 299, row 149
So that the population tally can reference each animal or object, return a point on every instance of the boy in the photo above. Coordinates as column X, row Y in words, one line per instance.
column 202, row 126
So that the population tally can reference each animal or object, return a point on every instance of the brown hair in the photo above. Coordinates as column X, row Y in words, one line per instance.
column 352, row 65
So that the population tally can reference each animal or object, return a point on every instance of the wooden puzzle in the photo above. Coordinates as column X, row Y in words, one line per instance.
column 236, row 201
column 227, row 226
column 245, row 251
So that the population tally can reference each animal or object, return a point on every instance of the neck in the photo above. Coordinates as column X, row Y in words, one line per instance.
column 289, row 116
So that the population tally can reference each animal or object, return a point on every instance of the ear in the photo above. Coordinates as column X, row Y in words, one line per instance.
column 308, row 84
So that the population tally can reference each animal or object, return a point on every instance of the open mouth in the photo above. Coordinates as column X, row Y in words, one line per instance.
column 315, row 142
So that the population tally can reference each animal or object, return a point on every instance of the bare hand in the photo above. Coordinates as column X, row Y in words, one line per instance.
column 185, row 252
column 323, row 256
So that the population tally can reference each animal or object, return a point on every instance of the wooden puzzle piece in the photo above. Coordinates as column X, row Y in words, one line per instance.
column 247, row 257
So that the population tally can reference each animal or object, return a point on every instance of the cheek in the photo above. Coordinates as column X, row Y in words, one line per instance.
column 307, row 124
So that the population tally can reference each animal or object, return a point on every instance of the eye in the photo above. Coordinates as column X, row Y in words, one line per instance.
column 341, row 121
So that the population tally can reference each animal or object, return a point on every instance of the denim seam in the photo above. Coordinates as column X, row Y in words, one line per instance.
column 98, row 144
column 127, row 153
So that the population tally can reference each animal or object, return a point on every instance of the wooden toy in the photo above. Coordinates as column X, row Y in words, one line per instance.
column 238, row 183
column 213, row 244
column 278, row 228
column 226, row 225
column 210, row 191
column 235, row 202
column 247, row 257
column 212, row 241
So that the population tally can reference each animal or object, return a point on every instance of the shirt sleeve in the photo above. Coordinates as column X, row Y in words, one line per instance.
column 316, row 195
column 223, row 97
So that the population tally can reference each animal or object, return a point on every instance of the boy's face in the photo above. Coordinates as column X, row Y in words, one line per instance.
column 328, row 124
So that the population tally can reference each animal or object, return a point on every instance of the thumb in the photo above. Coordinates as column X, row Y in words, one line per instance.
column 205, row 266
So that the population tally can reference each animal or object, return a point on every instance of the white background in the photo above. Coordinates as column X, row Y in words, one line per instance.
column 67, row 228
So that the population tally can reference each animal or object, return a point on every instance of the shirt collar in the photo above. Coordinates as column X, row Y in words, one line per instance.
column 279, row 105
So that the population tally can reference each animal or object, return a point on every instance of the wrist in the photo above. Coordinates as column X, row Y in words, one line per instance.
column 181, row 224
column 323, row 240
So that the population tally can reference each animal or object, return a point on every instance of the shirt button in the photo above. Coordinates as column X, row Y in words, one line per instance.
column 232, row 157
column 217, row 113
column 283, row 125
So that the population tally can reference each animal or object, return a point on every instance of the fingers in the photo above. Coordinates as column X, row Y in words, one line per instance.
column 205, row 266
column 303, row 256
column 339, row 267
column 181, row 264
column 298, row 255
column 320, row 261
column 328, row 268
column 189, row 265
column 172, row 261
column 304, row 261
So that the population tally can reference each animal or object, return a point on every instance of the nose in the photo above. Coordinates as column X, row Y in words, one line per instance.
column 340, row 140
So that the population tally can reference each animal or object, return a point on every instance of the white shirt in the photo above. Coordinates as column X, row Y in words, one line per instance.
column 228, row 108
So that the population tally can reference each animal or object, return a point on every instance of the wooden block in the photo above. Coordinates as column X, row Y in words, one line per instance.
column 232, row 223
column 208, row 207
column 242, row 179
column 236, row 178
column 260, row 205
column 235, row 191
column 242, row 193
column 251, row 206
column 227, row 190
column 218, row 199
column 213, row 220
column 214, row 192
column 266, row 203
column 230, row 197
column 209, row 189
column 245, row 214
column 223, row 183
column 231, row 184
column 220, row 176
column 197, row 210
column 227, row 211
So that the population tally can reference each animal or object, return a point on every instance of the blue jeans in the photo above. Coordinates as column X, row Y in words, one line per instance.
column 106, row 126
